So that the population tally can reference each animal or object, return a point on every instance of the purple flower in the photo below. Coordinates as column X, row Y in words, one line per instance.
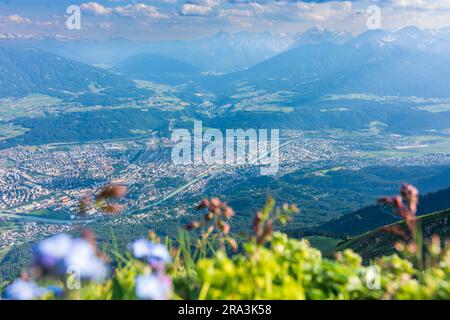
column 58, row 254
column 152, row 287
column 23, row 290
column 155, row 253
column 49, row 253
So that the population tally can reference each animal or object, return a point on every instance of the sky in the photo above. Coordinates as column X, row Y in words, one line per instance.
column 156, row 20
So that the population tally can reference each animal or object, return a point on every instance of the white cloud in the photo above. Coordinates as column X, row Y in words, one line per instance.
column 210, row 3
column 293, row 11
column 190, row 9
column 45, row 23
column 96, row 8
column 235, row 13
column 131, row 10
column 431, row 14
column 324, row 11
column 166, row 1
column 139, row 9
column 15, row 18
column 427, row 5
column 258, row 15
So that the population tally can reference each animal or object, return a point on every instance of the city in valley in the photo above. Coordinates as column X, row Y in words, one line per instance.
column 41, row 186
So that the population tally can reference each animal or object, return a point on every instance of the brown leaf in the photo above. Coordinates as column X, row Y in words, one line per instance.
column 112, row 191
column 394, row 230
column 112, row 209
column 233, row 243
column 203, row 204
column 225, row 227
column 85, row 204
column 193, row 225
column 228, row 212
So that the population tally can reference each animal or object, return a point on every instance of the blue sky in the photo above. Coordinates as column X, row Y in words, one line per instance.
column 180, row 19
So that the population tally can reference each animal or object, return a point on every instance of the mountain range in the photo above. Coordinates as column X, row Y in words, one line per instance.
column 408, row 62
column 226, row 52
column 361, row 65
column 379, row 76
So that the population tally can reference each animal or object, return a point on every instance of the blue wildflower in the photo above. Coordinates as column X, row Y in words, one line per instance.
column 23, row 290
column 49, row 253
column 152, row 287
column 83, row 259
column 57, row 254
column 154, row 253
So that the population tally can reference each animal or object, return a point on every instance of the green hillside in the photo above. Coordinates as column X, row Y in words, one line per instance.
column 27, row 70
column 326, row 245
column 376, row 243
column 375, row 216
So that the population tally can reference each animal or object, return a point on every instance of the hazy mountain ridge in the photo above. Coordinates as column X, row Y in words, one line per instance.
column 26, row 69
column 219, row 53
column 433, row 41
column 225, row 52
column 156, row 67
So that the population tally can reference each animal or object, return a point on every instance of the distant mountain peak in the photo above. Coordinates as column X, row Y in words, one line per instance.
column 317, row 29
column 374, row 38
column 318, row 34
